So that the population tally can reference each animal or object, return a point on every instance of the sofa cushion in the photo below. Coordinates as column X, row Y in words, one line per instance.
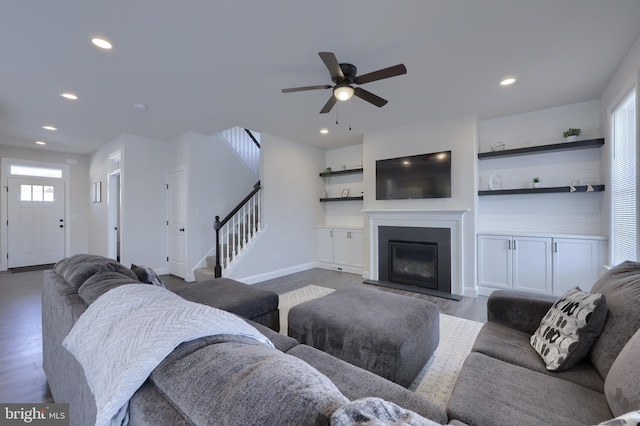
column 568, row 330
column 78, row 268
column 622, row 386
column 230, row 295
column 621, row 287
column 512, row 346
column 241, row 382
column 101, row 282
column 355, row 383
column 492, row 392
column 147, row 275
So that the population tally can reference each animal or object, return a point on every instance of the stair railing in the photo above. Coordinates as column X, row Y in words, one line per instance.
column 237, row 229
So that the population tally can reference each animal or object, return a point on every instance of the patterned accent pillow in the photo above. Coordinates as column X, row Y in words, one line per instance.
column 569, row 329
column 147, row 275
column 629, row 419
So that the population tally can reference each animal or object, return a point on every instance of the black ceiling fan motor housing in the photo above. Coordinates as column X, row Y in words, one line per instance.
column 349, row 71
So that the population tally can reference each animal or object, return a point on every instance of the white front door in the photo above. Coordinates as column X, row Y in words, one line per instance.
column 177, row 223
column 35, row 221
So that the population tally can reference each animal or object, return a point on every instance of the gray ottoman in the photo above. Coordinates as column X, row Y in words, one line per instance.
column 390, row 335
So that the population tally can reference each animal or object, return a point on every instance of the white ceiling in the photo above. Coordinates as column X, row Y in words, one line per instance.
column 204, row 65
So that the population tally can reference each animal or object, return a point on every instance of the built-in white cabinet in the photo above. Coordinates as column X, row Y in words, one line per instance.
column 514, row 262
column 340, row 248
column 539, row 264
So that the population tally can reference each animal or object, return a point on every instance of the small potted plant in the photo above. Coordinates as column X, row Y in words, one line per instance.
column 536, row 182
column 571, row 134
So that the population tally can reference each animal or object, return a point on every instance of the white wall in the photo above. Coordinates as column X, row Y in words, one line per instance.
column 565, row 213
column 217, row 180
column 144, row 201
column 77, row 193
column 290, row 210
column 458, row 135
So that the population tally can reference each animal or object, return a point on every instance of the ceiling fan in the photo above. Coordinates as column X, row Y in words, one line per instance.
column 344, row 76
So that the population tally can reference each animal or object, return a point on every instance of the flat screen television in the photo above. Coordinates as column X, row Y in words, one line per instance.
column 416, row 176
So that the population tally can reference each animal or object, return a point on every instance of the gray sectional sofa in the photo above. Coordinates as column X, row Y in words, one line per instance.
column 504, row 381
column 215, row 380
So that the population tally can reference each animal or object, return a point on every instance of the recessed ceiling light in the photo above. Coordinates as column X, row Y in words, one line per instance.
column 324, row 131
column 101, row 43
column 50, row 128
column 69, row 95
column 40, row 143
column 507, row 81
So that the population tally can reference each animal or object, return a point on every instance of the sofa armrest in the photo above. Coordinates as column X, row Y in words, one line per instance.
column 519, row 310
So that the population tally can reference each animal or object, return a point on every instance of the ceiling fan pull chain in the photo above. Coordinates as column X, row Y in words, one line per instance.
column 349, row 114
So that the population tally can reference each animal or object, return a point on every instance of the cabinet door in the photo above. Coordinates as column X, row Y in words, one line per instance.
column 494, row 261
column 325, row 245
column 532, row 264
column 355, row 241
column 575, row 264
column 345, row 247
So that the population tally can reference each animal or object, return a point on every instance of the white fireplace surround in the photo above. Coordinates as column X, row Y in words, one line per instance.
column 451, row 219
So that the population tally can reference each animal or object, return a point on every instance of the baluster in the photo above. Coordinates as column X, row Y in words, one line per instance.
column 245, row 230
column 259, row 211
column 228, row 250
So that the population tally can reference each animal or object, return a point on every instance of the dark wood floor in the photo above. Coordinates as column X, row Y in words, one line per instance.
column 22, row 378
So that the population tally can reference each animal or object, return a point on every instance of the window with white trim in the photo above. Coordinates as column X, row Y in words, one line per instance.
column 22, row 170
column 624, row 212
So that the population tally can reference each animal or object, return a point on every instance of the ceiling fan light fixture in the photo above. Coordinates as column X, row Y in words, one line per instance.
column 343, row 93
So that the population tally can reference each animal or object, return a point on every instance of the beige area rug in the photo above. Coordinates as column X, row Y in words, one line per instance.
column 435, row 381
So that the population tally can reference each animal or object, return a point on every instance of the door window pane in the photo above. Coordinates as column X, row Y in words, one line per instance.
column 25, row 192
column 36, row 191
column 48, row 193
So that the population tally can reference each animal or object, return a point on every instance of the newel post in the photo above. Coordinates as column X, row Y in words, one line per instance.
column 218, row 268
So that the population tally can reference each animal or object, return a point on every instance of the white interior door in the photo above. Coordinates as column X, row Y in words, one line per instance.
column 177, row 223
column 35, row 221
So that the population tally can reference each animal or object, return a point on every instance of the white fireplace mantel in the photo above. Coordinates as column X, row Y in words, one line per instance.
column 451, row 219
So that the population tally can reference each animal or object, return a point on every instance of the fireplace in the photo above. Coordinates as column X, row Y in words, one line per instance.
column 415, row 258
column 413, row 263
column 444, row 227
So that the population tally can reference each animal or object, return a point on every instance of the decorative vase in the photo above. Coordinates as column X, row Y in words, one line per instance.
column 571, row 138
column 535, row 184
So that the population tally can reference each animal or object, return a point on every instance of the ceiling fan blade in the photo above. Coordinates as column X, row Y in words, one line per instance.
column 300, row 89
column 330, row 103
column 369, row 97
column 332, row 65
column 380, row 74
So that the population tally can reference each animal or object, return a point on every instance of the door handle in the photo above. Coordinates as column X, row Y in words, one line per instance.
column 181, row 229
column 61, row 226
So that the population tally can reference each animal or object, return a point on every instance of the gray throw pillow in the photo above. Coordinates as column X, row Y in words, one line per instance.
column 147, row 275
column 628, row 419
column 569, row 329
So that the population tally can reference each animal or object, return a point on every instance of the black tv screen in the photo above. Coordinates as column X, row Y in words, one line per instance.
column 416, row 176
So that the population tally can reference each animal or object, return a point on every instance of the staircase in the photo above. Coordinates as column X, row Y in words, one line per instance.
column 238, row 229
column 234, row 234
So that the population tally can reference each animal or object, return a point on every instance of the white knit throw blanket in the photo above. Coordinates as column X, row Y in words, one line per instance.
column 128, row 331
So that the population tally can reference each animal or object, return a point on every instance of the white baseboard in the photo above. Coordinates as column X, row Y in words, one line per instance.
column 341, row 268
